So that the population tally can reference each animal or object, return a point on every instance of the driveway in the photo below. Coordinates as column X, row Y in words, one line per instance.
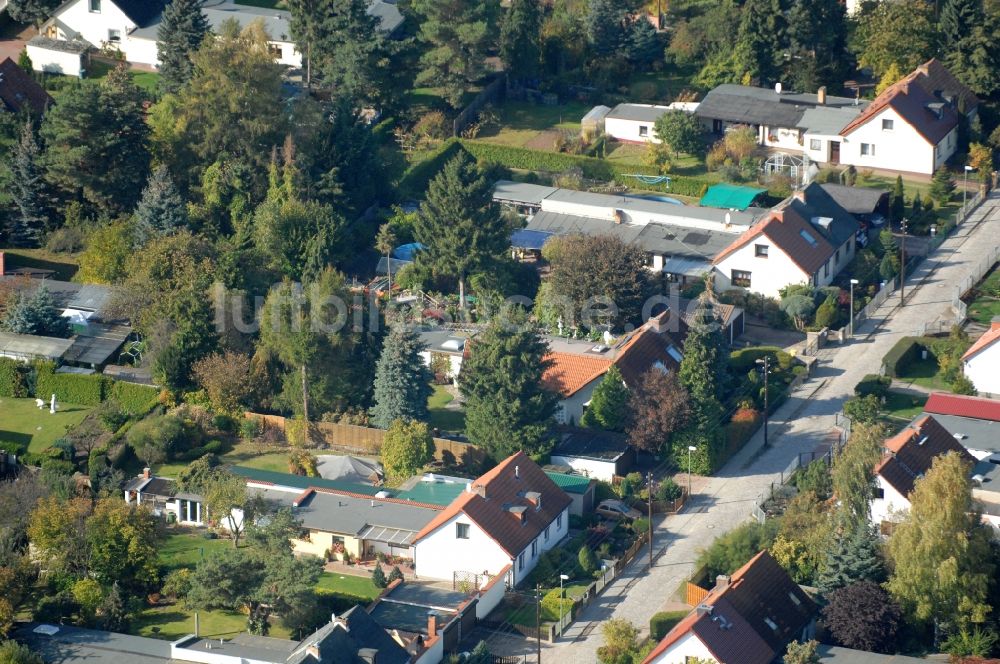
column 803, row 424
column 11, row 48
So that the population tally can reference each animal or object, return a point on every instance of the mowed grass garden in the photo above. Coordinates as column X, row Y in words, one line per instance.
column 185, row 549
column 21, row 421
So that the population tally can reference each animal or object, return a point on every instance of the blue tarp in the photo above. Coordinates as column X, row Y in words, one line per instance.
column 526, row 239
column 406, row 252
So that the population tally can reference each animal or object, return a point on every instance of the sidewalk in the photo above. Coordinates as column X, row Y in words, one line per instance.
column 802, row 424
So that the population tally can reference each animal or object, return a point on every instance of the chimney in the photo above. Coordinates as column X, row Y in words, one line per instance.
column 478, row 489
column 721, row 582
column 313, row 651
column 432, row 624
column 619, row 216
column 146, row 473
column 535, row 498
column 995, row 323
column 799, row 195
column 368, row 655
column 821, row 96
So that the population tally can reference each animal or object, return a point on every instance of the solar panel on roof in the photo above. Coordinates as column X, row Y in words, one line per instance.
column 695, row 239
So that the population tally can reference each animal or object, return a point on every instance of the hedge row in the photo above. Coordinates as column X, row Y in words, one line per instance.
column 13, row 381
column 661, row 623
column 84, row 390
column 873, row 384
column 901, row 355
column 134, row 399
column 744, row 359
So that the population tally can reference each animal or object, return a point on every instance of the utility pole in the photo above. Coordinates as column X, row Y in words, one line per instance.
column 649, row 502
column 766, row 363
column 538, row 620
column 902, row 264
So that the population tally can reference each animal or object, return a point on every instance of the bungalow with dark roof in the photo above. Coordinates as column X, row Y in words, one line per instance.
column 594, row 453
column 501, row 523
column 749, row 618
column 806, row 239
column 908, row 456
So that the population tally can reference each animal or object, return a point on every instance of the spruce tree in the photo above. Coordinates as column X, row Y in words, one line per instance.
column 853, row 556
column 506, row 406
column 458, row 34
column 182, row 30
column 758, row 41
column 35, row 313
column 27, row 191
column 605, row 26
column 402, row 382
column 957, row 18
column 942, row 186
column 520, row 36
column 609, row 403
column 644, row 47
column 897, row 200
column 161, row 211
column 459, row 224
column 817, row 29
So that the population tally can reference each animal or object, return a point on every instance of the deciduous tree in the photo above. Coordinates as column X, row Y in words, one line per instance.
column 402, row 382
column 940, row 553
column 507, row 408
column 182, row 30
column 121, row 542
column 657, row 408
column 56, row 529
column 224, row 493
column 890, row 33
column 853, row 473
column 801, row 653
column 406, row 449
column 226, row 378
column 680, row 131
column 863, row 616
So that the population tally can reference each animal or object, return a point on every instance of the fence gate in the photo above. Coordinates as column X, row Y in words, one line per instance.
column 469, row 582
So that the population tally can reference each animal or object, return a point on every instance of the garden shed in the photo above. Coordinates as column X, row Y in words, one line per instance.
column 593, row 122
column 55, row 56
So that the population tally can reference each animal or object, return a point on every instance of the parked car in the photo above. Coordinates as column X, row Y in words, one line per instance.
column 616, row 509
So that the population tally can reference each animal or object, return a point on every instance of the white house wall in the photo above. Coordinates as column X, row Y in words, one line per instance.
column 598, row 470
column 900, row 149
column 55, row 62
column 441, row 554
column 571, row 408
column 783, row 138
column 518, row 571
column 688, row 647
column 891, row 504
column 76, row 20
column 630, row 131
column 767, row 275
column 983, row 369
column 141, row 51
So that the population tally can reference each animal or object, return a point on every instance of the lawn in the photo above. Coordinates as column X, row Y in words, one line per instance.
column 23, row 421
column 345, row 584
column 173, row 621
column 903, row 406
column 184, row 548
column 986, row 305
column 925, row 373
column 242, row 454
column 64, row 266
column 522, row 122
column 441, row 417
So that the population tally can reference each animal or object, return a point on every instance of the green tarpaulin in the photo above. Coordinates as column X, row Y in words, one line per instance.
column 730, row 196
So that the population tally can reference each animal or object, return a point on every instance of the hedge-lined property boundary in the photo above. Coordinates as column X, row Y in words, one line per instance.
column 415, row 179
column 17, row 379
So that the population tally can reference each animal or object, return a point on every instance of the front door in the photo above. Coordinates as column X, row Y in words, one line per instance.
column 834, row 152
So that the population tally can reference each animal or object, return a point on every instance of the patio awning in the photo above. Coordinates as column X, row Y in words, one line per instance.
column 689, row 267
column 529, row 239
column 730, row 196
column 394, row 536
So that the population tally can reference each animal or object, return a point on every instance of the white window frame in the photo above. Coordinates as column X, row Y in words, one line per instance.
column 815, row 144
column 867, row 149
column 91, row 4
column 461, row 528
column 644, row 131
column 888, row 124
column 114, row 36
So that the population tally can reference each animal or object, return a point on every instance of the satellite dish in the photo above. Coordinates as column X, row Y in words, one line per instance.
column 777, row 88
column 729, row 219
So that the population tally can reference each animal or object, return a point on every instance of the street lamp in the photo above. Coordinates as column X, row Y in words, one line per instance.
column 902, row 263
column 649, row 505
column 691, row 448
column 854, row 282
column 965, row 186
column 562, row 577
column 765, row 362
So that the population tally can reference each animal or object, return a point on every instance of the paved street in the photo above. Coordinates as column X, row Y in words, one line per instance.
column 803, row 423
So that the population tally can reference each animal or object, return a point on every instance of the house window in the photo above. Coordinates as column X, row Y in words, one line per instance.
column 795, row 600
column 807, row 236
column 770, row 623
column 546, row 533
column 815, row 144
column 95, row 6
column 520, row 562
column 462, row 531
column 836, row 256
column 886, row 125
column 114, row 36
column 52, row 32
column 879, row 493
column 559, row 521
column 534, row 548
column 867, row 149
column 760, row 250
column 741, row 279
column 274, row 50
column 644, row 130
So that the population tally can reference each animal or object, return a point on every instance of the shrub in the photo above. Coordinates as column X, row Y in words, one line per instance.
column 16, row 448
column 134, row 399
column 65, row 241
column 862, row 409
column 668, row 490
column 378, row 577
column 395, row 574
column 828, row 314
column 551, row 601
column 587, row 559
column 661, row 623
column 83, row 390
column 873, row 384
column 741, row 427
column 734, row 549
column 741, row 361
column 900, row 356
column 433, row 125
column 12, row 378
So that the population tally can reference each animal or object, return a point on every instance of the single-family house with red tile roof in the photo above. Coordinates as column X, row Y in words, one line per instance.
column 981, row 363
column 806, row 239
column 19, row 92
column 907, row 457
column 577, row 367
column 506, row 518
column 749, row 618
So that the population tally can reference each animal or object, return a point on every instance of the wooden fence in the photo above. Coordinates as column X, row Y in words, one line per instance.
column 492, row 93
column 354, row 439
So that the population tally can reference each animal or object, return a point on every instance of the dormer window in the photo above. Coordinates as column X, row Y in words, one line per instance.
column 770, row 623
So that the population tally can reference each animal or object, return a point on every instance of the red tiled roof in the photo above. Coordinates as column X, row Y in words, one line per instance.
column 502, row 488
column 910, row 96
column 911, row 452
column 979, row 408
column 735, row 624
column 983, row 342
column 18, row 91
column 784, row 228
column 568, row 373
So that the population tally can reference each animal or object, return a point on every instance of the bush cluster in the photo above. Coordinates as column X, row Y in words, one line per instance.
column 901, row 356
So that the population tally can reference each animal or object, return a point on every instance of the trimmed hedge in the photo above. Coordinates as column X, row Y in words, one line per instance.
column 80, row 389
column 136, row 400
column 661, row 623
column 901, row 355
column 12, row 378
column 873, row 384
column 745, row 359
